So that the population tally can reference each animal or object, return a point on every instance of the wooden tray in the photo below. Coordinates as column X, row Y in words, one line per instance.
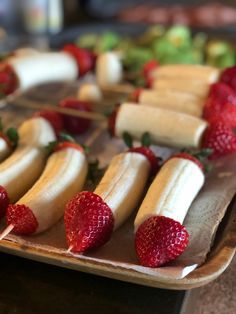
column 217, row 261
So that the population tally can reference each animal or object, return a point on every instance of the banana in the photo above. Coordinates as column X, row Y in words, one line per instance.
column 108, row 69
column 172, row 191
column 190, row 72
column 63, row 176
column 19, row 171
column 89, row 92
column 195, row 87
column 38, row 68
column 123, row 184
column 173, row 100
column 5, row 149
column 165, row 127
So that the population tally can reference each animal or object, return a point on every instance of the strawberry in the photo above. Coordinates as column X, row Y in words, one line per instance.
column 148, row 153
column 8, row 80
column 112, row 121
column 84, row 58
column 160, row 240
column 63, row 145
column 88, row 221
column 220, row 137
column 53, row 117
column 149, row 67
column 228, row 76
column 22, row 218
column 221, row 102
column 222, row 92
column 75, row 125
column 189, row 157
column 4, row 201
column 136, row 94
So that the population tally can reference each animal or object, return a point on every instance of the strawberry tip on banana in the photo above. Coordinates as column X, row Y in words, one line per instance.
column 43, row 205
column 159, row 234
column 90, row 217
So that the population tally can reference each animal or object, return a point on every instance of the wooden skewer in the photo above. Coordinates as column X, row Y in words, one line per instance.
column 118, row 88
column 6, row 231
column 68, row 111
column 69, row 249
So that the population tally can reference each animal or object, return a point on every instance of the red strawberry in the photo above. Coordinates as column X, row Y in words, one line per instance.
column 220, row 137
column 148, row 153
column 84, row 58
column 88, row 221
column 4, row 201
column 22, row 218
column 160, row 240
column 221, row 102
column 189, row 157
column 222, row 93
column 75, row 125
column 147, row 71
column 228, row 76
column 8, row 80
column 53, row 117
column 136, row 94
column 112, row 121
column 63, row 145
column 225, row 111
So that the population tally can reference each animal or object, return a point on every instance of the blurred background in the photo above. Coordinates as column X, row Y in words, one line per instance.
column 37, row 22
column 52, row 16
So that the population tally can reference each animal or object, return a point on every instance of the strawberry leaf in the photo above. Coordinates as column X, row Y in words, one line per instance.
column 146, row 139
column 13, row 136
column 66, row 137
column 51, row 146
column 86, row 148
column 127, row 138
column 94, row 171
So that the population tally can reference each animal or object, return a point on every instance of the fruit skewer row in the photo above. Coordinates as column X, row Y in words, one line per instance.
column 91, row 217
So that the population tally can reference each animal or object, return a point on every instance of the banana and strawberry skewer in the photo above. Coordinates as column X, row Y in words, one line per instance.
column 22, row 168
column 43, row 205
column 91, row 217
column 160, row 236
column 21, row 72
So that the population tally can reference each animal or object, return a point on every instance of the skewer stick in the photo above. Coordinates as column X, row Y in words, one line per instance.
column 6, row 231
column 118, row 88
column 68, row 111
column 95, row 134
column 69, row 249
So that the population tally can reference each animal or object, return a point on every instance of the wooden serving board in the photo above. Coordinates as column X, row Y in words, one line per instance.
column 217, row 261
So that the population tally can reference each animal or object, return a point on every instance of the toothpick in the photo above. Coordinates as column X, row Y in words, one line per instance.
column 118, row 88
column 6, row 231
column 69, row 249
column 95, row 134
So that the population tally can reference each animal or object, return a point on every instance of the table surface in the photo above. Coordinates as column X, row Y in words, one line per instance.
column 30, row 287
